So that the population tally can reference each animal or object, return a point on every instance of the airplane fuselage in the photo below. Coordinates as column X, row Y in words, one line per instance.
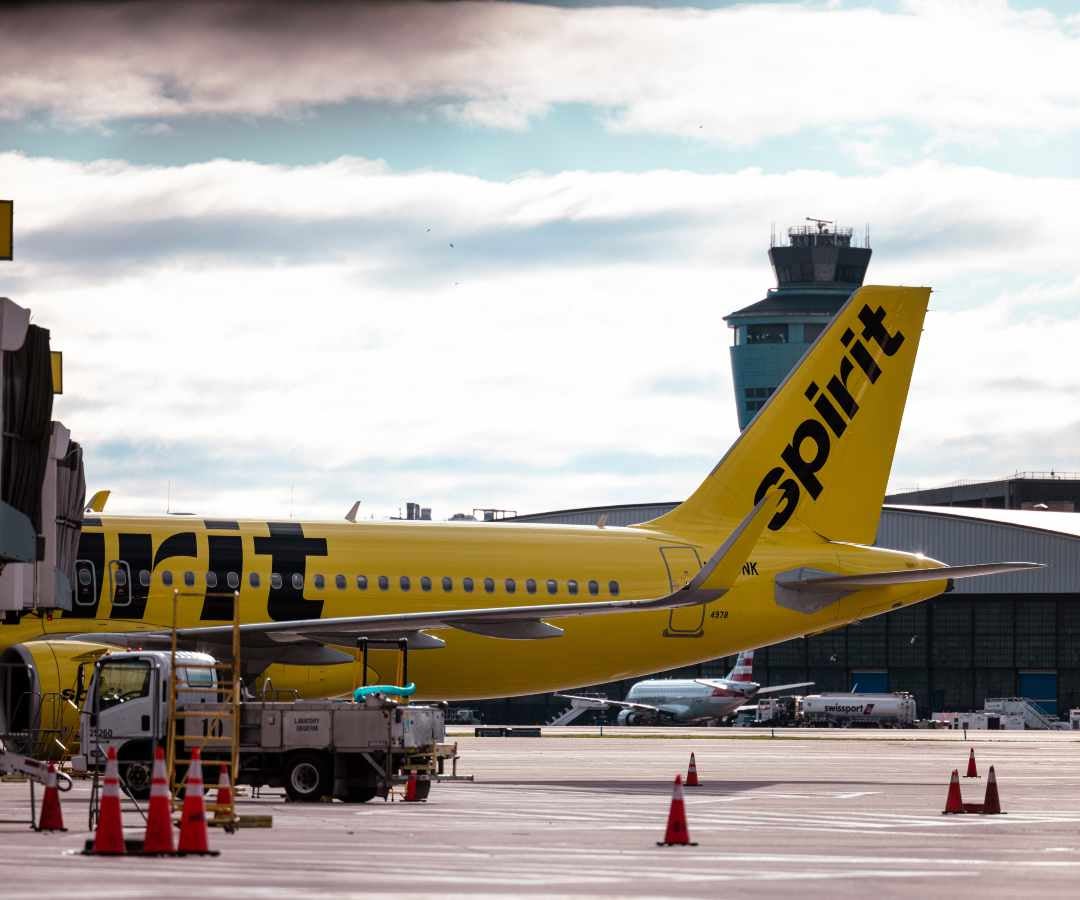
column 687, row 700
column 130, row 567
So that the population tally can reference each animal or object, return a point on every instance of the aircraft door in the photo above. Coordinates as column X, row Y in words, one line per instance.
column 682, row 565
column 86, row 585
column 120, row 584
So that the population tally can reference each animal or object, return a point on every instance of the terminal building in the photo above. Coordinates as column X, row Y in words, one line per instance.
column 999, row 636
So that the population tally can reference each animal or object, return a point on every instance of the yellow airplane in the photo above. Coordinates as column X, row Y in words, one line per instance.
column 774, row 544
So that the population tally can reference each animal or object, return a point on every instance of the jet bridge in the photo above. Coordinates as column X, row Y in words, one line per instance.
column 42, row 481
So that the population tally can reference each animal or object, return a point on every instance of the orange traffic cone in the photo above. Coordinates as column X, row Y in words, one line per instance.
column 972, row 772
column 223, row 805
column 953, row 802
column 410, row 789
column 109, row 837
column 194, row 834
column 159, row 836
column 51, row 819
column 677, row 832
column 992, row 803
column 691, row 773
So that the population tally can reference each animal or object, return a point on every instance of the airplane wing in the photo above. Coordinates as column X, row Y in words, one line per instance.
column 511, row 622
column 781, row 688
column 604, row 703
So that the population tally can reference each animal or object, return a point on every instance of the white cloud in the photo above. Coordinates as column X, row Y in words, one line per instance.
column 568, row 349
column 735, row 75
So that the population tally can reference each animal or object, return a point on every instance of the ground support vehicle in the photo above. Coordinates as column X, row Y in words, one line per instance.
column 857, row 710
column 353, row 751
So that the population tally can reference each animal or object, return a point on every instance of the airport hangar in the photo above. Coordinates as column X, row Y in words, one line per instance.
column 999, row 636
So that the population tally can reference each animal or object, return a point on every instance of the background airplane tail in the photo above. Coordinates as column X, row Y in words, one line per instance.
column 744, row 667
column 827, row 435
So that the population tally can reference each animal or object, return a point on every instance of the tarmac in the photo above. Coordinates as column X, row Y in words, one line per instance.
column 805, row 813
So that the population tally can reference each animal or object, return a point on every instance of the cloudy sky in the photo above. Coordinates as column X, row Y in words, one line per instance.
column 478, row 254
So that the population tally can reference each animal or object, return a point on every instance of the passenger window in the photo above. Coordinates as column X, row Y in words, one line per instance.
column 594, row 588
column 339, row 582
column 211, row 579
column 489, row 585
column 84, row 577
column 613, row 588
column 297, row 581
column 144, row 577
column 447, row 583
column 121, row 578
column 571, row 586
column 320, row 582
column 384, row 583
column 510, row 586
column 404, row 582
column 552, row 586
column 425, row 583
column 361, row 582
column 530, row 585
column 253, row 579
column 467, row 585
column 166, row 578
column 232, row 580
column 189, row 579
column 276, row 581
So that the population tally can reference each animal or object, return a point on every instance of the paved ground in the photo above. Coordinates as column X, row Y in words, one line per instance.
column 842, row 814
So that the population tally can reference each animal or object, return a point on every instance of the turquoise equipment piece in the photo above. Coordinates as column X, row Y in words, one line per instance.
column 391, row 690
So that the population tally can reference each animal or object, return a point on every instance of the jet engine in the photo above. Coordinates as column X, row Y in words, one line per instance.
column 41, row 688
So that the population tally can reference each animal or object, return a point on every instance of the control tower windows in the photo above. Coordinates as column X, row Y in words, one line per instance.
column 767, row 334
column 811, row 330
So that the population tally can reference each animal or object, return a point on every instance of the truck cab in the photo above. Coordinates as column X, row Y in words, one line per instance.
column 126, row 707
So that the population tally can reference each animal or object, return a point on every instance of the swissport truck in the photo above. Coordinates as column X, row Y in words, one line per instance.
column 352, row 751
column 857, row 710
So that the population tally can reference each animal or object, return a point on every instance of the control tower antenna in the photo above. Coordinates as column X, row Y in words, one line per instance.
column 822, row 224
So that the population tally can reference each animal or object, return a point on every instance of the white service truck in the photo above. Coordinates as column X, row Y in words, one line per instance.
column 352, row 751
column 857, row 710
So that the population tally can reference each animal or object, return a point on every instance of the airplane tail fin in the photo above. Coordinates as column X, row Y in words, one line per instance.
column 826, row 437
column 744, row 667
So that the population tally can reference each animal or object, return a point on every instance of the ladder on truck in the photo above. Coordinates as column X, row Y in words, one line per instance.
column 220, row 716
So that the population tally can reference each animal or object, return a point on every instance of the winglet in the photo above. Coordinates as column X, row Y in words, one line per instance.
column 98, row 501
column 724, row 566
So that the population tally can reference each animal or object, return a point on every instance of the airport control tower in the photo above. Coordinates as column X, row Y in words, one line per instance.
column 817, row 269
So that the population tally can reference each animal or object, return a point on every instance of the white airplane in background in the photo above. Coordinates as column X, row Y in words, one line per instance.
column 684, row 700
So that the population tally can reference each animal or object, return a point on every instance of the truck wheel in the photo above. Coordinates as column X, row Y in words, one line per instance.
column 136, row 768
column 307, row 778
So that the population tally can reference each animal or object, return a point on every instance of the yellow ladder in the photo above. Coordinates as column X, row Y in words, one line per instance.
column 221, row 716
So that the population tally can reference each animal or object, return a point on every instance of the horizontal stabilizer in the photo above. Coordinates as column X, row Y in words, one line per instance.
column 802, row 580
column 784, row 688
